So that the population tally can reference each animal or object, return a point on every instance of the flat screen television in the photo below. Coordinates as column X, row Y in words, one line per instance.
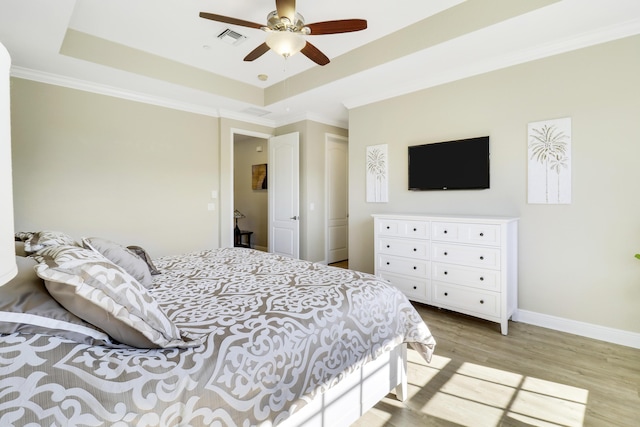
column 452, row 165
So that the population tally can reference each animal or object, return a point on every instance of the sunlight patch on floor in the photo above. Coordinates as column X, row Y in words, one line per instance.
column 476, row 395
column 542, row 403
column 419, row 373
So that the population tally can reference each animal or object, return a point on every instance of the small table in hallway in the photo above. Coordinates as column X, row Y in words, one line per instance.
column 239, row 241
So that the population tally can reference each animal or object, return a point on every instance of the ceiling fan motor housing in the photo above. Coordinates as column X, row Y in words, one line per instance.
column 277, row 23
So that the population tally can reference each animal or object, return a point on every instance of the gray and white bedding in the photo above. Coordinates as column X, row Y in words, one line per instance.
column 256, row 337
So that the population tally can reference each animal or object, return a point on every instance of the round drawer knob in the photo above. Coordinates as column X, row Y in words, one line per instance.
column 415, row 229
column 482, row 279
column 446, row 294
column 388, row 227
column 415, row 287
column 481, row 301
column 388, row 246
column 481, row 258
column 445, row 254
column 481, row 234
column 415, row 250
column 415, row 268
column 446, row 272
column 390, row 263
column 445, row 231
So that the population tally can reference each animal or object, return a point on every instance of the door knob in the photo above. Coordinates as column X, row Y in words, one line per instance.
column 295, row 217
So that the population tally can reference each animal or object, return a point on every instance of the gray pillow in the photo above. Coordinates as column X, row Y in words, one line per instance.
column 27, row 308
column 145, row 256
column 102, row 293
column 121, row 256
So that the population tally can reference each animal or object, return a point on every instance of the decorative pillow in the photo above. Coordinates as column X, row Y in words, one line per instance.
column 145, row 256
column 121, row 256
column 26, row 307
column 100, row 292
column 23, row 236
column 42, row 239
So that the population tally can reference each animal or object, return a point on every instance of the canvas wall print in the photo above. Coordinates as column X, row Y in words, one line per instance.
column 377, row 174
column 549, row 156
column 259, row 177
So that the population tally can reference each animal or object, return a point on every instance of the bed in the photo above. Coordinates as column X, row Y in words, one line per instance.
column 219, row 337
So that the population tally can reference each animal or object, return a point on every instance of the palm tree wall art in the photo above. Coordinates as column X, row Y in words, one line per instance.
column 549, row 156
column 377, row 174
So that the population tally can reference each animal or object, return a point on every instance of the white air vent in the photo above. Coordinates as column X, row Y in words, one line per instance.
column 256, row 111
column 231, row 37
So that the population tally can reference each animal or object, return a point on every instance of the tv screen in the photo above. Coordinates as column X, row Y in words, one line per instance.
column 450, row 165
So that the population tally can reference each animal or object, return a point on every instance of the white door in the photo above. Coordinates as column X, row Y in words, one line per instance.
column 283, row 182
column 337, row 176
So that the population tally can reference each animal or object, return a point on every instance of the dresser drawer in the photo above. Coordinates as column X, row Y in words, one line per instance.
column 475, row 256
column 480, row 234
column 402, row 228
column 467, row 299
column 404, row 247
column 412, row 287
column 407, row 266
column 468, row 276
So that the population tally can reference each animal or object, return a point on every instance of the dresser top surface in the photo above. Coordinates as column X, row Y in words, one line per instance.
column 447, row 218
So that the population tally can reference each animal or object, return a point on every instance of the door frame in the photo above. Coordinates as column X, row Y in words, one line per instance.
column 226, row 221
column 327, row 137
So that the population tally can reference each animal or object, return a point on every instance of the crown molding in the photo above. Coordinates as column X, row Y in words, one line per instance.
column 247, row 118
column 86, row 86
column 306, row 116
column 83, row 85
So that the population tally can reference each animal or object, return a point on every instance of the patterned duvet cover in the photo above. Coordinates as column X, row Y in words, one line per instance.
column 277, row 332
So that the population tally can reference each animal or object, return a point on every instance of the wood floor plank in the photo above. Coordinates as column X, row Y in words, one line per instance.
column 531, row 377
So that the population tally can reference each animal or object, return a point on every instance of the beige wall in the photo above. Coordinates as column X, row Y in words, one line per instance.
column 93, row 165
column 576, row 261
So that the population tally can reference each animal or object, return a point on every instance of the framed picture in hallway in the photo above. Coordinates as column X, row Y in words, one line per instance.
column 259, row 177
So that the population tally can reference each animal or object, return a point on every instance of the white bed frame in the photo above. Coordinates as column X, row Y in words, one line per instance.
column 348, row 400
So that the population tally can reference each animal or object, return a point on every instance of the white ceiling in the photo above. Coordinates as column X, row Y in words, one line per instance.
column 34, row 30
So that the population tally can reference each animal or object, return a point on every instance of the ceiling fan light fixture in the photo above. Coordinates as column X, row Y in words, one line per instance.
column 285, row 43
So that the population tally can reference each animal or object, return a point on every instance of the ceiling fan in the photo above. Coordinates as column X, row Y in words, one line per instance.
column 286, row 30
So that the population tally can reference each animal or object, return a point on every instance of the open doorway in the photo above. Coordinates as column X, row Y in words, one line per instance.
column 337, row 200
column 250, row 191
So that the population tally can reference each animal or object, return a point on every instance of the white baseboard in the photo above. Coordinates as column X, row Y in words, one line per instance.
column 602, row 333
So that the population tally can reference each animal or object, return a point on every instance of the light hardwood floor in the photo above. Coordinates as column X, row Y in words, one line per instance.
column 531, row 377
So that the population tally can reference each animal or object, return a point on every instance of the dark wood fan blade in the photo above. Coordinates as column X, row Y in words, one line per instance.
column 286, row 8
column 312, row 52
column 257, row 52
column 336, row 27
column 229, row 20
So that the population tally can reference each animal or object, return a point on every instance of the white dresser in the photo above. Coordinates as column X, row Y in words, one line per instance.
column 461, row 263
